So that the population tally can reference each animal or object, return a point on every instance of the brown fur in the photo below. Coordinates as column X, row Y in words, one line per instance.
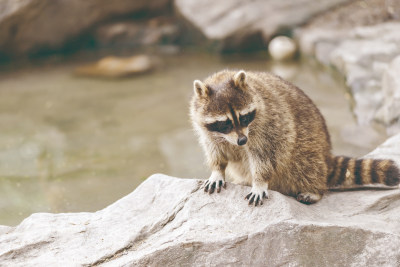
column 288, row 146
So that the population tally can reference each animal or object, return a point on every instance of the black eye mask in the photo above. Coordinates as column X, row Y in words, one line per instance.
column 220, row 126
column 227, row 126
column 246, row 119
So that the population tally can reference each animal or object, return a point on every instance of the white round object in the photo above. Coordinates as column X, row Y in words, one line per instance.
column 282, row 48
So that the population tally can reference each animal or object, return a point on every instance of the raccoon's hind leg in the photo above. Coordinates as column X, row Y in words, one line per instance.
column 309, row 187
column 309, row 198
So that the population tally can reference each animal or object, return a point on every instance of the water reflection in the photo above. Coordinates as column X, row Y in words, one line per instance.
column 78, row 144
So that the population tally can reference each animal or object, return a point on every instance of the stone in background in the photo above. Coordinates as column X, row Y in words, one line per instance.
column 240, row 24
column 31, row 25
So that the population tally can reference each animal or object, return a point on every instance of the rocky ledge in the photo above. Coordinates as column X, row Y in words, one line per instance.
column 168, row 221
column 362, row 41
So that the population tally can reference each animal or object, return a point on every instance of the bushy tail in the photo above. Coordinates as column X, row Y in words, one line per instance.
column 350, row 173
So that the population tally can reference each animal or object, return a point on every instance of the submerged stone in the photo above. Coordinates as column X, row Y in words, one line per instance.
column 115, row 67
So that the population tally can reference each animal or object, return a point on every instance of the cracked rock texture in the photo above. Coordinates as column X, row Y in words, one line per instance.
column 168, row 221
column 242, row 24
column 362, row 41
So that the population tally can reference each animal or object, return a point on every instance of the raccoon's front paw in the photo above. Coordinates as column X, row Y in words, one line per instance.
column 257, row 195
column 214, row 182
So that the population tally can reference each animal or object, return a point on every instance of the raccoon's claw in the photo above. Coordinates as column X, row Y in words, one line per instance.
column 257, row 197
column 211, row 185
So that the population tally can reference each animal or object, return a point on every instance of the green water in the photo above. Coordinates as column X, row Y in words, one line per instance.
column 69, row 143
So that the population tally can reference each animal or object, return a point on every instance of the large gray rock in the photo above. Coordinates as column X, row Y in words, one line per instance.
column 362, row 47
column 168, row 221
column 233, row 24
column 363, row 57
column 29, row 25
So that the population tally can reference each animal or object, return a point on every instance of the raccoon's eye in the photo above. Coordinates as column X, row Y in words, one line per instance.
column 247, row 118
column 220, row 126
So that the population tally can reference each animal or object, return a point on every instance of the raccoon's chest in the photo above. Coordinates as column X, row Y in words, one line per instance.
column 238, row 168
column 236, row 154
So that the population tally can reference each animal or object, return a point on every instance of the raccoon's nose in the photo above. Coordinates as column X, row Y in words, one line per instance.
column 242, row 140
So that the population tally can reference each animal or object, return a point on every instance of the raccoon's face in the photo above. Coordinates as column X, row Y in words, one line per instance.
column 226, row 107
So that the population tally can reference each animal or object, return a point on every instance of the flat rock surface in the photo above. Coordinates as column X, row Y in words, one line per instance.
column 169, row 221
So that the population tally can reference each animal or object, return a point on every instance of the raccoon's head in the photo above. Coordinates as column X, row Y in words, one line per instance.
column 225, row 106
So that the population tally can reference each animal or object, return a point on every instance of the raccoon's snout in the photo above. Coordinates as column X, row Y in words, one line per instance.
column 242, row 140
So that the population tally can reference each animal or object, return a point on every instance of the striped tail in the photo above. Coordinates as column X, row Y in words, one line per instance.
column 352, row 173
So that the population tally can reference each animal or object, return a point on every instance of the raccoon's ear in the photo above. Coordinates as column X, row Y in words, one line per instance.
column 200, row 89
column 239, row 78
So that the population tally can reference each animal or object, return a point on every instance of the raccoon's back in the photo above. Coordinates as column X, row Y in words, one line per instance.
column 297, row 121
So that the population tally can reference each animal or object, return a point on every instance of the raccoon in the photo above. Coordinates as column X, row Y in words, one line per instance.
column 265, row 132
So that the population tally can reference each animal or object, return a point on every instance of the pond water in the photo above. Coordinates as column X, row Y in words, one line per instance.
column 69, row 143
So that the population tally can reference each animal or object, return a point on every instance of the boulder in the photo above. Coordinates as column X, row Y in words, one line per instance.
column 168, row 221
column 31, row 25
column 363, row 58
column 326, row 30
column 391, row 93
column 238, row 24
column 360, row 41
